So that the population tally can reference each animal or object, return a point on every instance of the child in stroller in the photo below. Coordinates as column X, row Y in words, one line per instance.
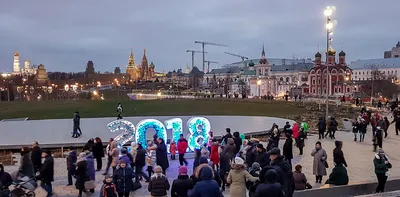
column 24, row 187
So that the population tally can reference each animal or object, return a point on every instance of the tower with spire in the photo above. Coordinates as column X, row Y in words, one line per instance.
column 263, row 68
column 131, row 68
column 144, row 67
column 17, row 65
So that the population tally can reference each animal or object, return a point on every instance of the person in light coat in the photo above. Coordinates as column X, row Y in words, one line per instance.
column 151, row 157
column 320, row 159
column 114, row 154
column 237, row 178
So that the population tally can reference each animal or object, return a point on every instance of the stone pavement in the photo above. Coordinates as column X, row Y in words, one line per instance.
column 359, row 157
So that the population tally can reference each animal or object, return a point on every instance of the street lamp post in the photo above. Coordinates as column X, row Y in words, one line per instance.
column 329, row 26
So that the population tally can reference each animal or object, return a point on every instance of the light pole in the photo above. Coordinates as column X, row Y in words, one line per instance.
column 329, row 26
column 259, row 87
column 6, row 75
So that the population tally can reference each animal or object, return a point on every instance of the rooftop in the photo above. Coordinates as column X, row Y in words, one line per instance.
column 382, row 62
column 274, row 68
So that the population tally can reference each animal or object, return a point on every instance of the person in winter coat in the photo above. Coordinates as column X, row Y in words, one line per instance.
column 319, row 163
column 172, row 149
column 333, row 124
column 46, row 173
column 81, row 173
column 262, row 156
column 251, row 154
column 295, row 130
column 396, row 120
column 230, row 148
column 283, row 168
column 321, row 127
column 300, row 180
column 140, row 163
column 338, row 156
column 91, row 172
column 288, row 148
column 114, row 154
column 161, row 154
column 300, row 141
column 382, row 166
column 123, row 176
column 276, row 135
column 98, row 153
column 206, row 187
column 238, row 141
column 387, row 123
column 204, row 162
column 125, row 157
column 109, row 158
column 182, row 147
column 89, row 145
column 355, row 128
column 378, row 138
column 71, row 164
column 214, row 156
column 76, row 130
column 255, row 172
column 109, row 189
column 205, row 152
column 5, row 179
column 26, row 166
column 338, row 176
column 270, row 187
column 197, row 155
column 226, row 136
column 133, row 153
column 151, row 156
column 237, row 178
column 182, row 184
column 287, row 129
column 36, row 157
column 362, row 129
column 158, row 185
column 224, row 169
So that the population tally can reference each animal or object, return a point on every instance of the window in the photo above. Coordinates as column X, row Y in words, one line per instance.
column 392, row 71
column 287, row 79
column 319, row 81
column 313, row 82
column 281, row 79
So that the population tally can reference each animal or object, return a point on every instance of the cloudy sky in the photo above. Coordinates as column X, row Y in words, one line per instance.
column 64, row 35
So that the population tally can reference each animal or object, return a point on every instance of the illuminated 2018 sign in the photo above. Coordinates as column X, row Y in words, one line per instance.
column 199, row 128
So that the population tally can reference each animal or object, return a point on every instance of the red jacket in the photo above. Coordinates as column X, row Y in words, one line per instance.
column 182, row 146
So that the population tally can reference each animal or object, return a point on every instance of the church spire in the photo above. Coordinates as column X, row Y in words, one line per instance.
column 131, row 62
column 263, row 52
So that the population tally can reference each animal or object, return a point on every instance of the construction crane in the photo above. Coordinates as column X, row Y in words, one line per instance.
column 243, row 57
column 193, row 52
column 207, row 43
column 208, row 65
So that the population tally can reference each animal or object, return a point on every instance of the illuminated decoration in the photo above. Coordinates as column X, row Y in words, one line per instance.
column 66, row 88
column 146, row 124
column 126, row 128
column 199, row 129
column 176, row 125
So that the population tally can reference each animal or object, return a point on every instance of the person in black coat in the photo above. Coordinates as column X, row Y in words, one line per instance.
column 262, row 156
column 238, row 141
column 140, row 163
column 36, row 157
column 300, row 141
column 270, row 187
column 5, row 179
column 161, row 155
column 224, row 168
column 81, row 173
column 123, row 176
column 98, row 153
column 46, row 173
column 71, row 164
column 288, row 148
column 251, row 154
column 227, row 136
column 338, row 157
column 321, row 127
column 182, row 184
column 286, row 129
column 387, row 123
column 396, row 120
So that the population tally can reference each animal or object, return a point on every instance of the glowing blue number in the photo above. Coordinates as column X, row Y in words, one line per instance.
column 176, row 125
column 126, row 128
column 146, row 124
column 199, row 129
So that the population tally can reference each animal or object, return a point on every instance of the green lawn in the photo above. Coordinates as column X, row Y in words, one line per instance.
column 107, row 108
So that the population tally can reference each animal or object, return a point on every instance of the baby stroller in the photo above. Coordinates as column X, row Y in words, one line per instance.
column 24, row 187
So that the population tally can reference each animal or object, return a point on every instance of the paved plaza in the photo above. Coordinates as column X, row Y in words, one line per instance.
column 359, row 157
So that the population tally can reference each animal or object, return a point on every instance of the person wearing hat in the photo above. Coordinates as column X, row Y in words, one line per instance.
column 81, row 173
column 270, row 186
column 109, row 189
column 158, row 185
column 140, row 163
column 206, row 187
column 46, row 173
column 182, row 184
column 226, row 136
column 378, row 138
column 320, row 162
column 262, row 157
column 237, row 178
column 123, row 176
column 251, row 154
column 382, row 166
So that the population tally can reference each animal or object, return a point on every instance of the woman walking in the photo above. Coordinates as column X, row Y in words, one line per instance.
column 161, row 155
column 320, row 162
column 81, row 173
column 98, row 153
column 114, row 154
column 151, row 156
column 300, row 141
column 237, row 178
column 382, row 166
column 26, row 165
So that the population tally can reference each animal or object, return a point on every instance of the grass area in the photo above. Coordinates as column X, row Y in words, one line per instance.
column 107, row 108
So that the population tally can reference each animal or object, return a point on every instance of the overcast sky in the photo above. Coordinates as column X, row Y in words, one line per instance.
column 64, row 35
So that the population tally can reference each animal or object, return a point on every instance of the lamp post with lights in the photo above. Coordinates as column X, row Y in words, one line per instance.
column 5, row 76
column 329, row 31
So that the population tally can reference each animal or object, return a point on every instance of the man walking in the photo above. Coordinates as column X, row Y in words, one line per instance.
column 77, row 129
column 36, row 157
column 109, row 158
column 46, row 173
column 182, row 147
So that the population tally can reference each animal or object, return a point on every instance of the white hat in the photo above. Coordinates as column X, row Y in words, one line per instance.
column 239, row 160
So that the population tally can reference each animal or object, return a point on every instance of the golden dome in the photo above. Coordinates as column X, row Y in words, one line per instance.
column 16, row 53
column 331, row 51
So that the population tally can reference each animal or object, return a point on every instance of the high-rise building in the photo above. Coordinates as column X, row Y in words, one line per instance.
column 17, row 66
column 89, row 68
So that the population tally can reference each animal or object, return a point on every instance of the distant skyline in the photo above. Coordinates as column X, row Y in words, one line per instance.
column 64, row 35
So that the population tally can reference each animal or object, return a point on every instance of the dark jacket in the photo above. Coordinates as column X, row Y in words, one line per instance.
column 285, row 174
column 338, row 157
column 5, row 178
column 238, row 142
column 181, row 186
column 252, row 186
column 71, row 161
column 380, row 166
column 288, row 148
column 140, row 157
column 333, row 124
column 158, row 185
column 26, row 166
column 300, row 139
column 123, row 179
column 36, row 157
column 81, row 175
column 338, row 176
column 263, row 158
column 251, row 156
column 224, row 164
column 300, row 180
column 161, row 155
column 207, row 187
column 270, row 188
column 98, row 150
column 89, row 146
column 108, row 190
column 47, row 171
column 91, row 171
column 321, row 125
column 226, row 137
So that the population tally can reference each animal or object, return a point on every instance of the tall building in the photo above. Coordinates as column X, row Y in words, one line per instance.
column 89, row 68
column 131, row 69
column 142, row 72
column 394, row 53
column 17, row 66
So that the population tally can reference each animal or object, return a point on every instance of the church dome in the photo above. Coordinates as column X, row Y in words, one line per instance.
column 251, row 63
column 342, row 53
column 16, row 53
column 318, row 54
column 331, row 51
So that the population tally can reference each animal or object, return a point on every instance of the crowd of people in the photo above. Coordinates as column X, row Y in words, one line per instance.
column 243, row 165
